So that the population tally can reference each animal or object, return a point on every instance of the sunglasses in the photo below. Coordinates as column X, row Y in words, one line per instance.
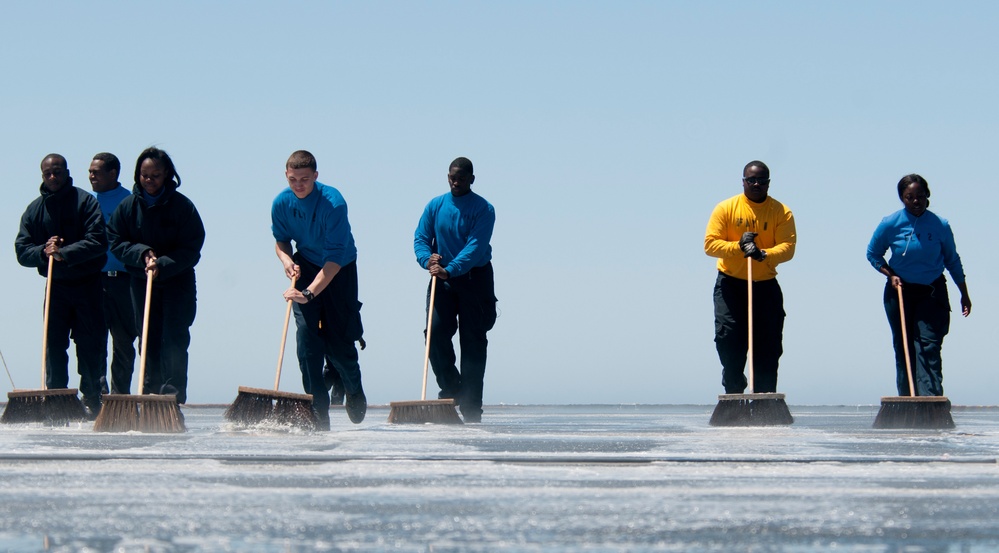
column 757, row 180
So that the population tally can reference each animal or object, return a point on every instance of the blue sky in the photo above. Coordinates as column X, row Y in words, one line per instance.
column 602, row 132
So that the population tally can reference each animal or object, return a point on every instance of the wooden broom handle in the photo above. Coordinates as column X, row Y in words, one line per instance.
column 45, row 319
column 905, row 343
column 284, row 339
column 749, row 310
column 426, row 352
column 145, row 333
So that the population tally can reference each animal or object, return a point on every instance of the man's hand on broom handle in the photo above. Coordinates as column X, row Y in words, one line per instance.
column 152, row 269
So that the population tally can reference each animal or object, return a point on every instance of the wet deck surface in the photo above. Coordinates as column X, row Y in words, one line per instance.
column 529, row 478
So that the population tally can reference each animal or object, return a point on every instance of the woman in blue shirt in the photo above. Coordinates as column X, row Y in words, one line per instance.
column 922, row 246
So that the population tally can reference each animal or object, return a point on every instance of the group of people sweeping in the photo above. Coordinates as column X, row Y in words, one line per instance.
column 105, row 254
column 97, row 252
column 751, row 233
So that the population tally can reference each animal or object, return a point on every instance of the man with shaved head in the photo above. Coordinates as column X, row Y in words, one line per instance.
column 65, row 224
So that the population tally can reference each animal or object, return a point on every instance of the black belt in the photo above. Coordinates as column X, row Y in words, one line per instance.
column 115, row 274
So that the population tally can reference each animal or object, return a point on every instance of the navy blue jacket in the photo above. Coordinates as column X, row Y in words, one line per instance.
column 172, row 228
column 75, row 216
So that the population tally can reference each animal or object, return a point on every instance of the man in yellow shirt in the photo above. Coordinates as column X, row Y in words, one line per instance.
column 754, row 225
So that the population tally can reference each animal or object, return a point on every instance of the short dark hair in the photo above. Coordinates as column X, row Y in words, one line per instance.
column 110, row 160
column 911, row 179
column 302, row 159
column 462, row 164
column 757, row 163
column 55, row 156
column 159, row 155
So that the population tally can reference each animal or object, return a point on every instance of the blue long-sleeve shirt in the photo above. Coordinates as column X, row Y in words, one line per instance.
column 317, row 223
column 459, row 229
column 109, row 201
column 921, row 247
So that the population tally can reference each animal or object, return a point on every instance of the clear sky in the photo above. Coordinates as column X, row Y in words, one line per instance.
column 603, row 133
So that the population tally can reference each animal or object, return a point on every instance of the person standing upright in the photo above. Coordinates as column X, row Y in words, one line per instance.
column 66, row 225
column 753, row 225
column 922, row 246
column 158, row 233
column 452, row 243
column 324, row 264
column 118, row 312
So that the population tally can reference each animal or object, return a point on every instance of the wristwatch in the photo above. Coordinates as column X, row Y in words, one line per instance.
column 309, row 296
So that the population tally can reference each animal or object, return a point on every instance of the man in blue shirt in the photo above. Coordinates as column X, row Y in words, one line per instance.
column 327, row 313
column 452, row 243
column 118, row 312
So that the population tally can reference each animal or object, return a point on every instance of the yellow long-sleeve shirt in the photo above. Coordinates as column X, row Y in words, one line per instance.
column 773, row 223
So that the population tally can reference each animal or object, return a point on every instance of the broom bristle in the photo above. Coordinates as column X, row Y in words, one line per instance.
column 120, row 413
column 161, row 415
column 766, row 409
column 145, row 413
column 22, row 409
column 927, row 412
column 56, row 407
column 439, row 411
column 256, row 405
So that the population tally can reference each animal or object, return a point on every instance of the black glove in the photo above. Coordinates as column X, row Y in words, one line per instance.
column 750, row 250
column 747, row 238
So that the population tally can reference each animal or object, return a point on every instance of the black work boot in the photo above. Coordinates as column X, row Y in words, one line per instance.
column 322, row 420
column 357, row 406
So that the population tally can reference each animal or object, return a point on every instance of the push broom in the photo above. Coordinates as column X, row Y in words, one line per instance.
column 55, row 407
column 144, row 413
column 912, row 411
column 440, row 411
column 752, row 409
column 257, row 405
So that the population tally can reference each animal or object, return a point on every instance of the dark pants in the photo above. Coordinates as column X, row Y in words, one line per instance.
column 927, row 313
column 731, row 297
column 470, row 300
column 75, row 312
column 172, row 312
column 120, row 318
column 328, row 326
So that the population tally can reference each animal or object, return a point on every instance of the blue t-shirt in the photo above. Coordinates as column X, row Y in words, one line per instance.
column 317, row 224
column 459, row 229
column 109, row 201
column 921, row 247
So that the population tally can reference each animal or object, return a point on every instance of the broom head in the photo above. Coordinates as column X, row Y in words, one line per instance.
column 438, row 411
column 56, row 407
column 145, row 413
column 768, row 409
column 257, row 405
column 930, row 412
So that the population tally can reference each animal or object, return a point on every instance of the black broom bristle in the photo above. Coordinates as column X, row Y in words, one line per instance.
column 441, row 411
column 55, row 407
column 255, row 406
column 249, row 409
column 751, row 410
column 22, row 409
column 923, row 412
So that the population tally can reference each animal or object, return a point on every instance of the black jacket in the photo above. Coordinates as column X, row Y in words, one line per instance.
column 72, row 214
column 172, row 228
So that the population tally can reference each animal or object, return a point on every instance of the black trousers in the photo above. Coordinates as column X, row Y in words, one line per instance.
column 327, row 327
column 467, row 305
column 731, row 298
column 172, row 312
column 120, row 318
column 927, row 313
column 75, row 312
